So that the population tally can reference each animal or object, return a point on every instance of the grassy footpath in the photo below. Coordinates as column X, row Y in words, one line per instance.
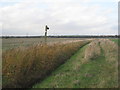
column 62, row 75
column 78, row 73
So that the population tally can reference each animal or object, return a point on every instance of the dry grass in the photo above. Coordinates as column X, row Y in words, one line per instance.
column 22, row 66
column 97, row 72
column 110, row 49
column 93, row 50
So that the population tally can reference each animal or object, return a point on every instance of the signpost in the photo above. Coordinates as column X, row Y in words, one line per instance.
column 46, row 28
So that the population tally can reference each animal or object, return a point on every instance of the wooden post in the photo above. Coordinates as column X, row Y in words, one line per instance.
column 46, row 28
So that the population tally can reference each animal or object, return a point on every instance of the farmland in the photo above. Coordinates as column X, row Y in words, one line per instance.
column 62, row 63
column 10, row 43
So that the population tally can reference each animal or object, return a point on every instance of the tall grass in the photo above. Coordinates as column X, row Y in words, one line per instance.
column 110, row 49
column 22, row 67
column 93, row 50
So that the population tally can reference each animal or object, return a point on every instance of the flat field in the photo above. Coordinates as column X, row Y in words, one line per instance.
column 10, row 43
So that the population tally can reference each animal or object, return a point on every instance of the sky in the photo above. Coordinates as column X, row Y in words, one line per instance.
column 63, row 17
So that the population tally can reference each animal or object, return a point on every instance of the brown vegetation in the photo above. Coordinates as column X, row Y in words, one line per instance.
column 93, row 50
column 106, row 46
column 110, row 48
column 22, row 66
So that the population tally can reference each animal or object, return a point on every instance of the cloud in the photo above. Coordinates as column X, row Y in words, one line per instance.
column 62, row 16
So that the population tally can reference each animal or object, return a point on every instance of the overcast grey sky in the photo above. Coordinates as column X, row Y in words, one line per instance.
column 64, row 17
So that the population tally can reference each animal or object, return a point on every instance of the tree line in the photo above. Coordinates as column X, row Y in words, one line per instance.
column 65, row 36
